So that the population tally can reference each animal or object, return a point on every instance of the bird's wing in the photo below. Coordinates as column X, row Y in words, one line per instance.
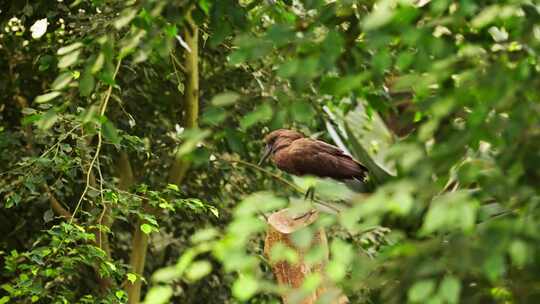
column 321, row 159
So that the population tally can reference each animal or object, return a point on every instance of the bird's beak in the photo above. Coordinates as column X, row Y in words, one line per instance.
column 267, row 151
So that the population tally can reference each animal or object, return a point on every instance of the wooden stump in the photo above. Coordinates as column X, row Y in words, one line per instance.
column 281, row 226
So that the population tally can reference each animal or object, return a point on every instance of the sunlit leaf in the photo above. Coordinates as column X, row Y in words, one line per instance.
column 245, row 287
column 47, row 97
column 166, row 274
column 379, row 17
column 62, row 81
column 131, row 277
column 146, row 228
column 68, row 59
column 198, row 270
column 421, row 290
column 192, row 138
column 98, row 63
column 204, row 235
column 261, row 114
column 225, row 99
column 158, row 295
column 519, row 253
column 125, row 17
column 449, row 289
column 69, row 48
column 47, row 120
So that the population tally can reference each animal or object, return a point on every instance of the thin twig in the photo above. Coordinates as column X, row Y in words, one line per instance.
column 62, row 138
column 98, row 147
column 100, row 221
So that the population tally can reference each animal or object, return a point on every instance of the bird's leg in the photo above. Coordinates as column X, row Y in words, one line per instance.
column 310, row 193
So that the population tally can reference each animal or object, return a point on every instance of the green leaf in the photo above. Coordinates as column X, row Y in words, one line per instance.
column 204, row 235
column 98, row 63
column 68, row 59
column 110, row 132
column 173, row 187
column 214, row 211
column 86, row 83
column 302, row 111
column 449, row 289
column 131, row 42
column 379, row 17
column 494, row 267
column 205, row 6
column 421, row 290
column 69, row 48
column 4, row 299
column 131, row 277
column 166, row 274
column 379, row 175
column 198, row 270
column 262, row 113
column 171, row 30
column 119, row 294
column 158, row 295
column 312, row 282
column 214, row 115
column 125, row 17
column 192, row 139
column 47, row 97
column 259, row 202
column 450, row 211
column 62, row 81
column 47, row 120
column 225, row 99
column 519, row 253
column 245, row 287
column 147, row 229
column 486, row 16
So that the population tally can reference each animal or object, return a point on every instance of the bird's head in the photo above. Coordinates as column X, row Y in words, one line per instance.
column 278, row 139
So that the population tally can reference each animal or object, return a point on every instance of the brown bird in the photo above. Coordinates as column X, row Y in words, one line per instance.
column 294, row 153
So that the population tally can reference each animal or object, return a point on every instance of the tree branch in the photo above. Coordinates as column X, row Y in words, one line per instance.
column 55, row 204
column 180, row 166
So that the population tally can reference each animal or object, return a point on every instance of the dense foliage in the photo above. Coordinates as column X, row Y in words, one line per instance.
column 129, row 133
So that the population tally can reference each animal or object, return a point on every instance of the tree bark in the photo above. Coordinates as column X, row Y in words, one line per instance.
column 190, row 117
column 292, row 275
column 137, row 260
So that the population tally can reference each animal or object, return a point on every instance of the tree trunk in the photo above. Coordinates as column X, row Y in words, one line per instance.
column 179, row 166
column 281, row 226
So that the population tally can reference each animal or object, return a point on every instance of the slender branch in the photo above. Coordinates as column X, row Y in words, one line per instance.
column 258, row 168
column 55, row 204
column 103, row 108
